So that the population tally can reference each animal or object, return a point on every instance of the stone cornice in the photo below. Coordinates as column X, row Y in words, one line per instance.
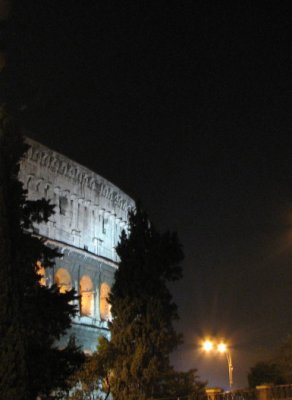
column 61, row 165
column 84, row 253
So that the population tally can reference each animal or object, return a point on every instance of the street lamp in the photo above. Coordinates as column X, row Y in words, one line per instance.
column 208, row 345
column 221, row 347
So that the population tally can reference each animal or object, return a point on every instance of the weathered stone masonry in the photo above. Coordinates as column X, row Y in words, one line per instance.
column 90, row 214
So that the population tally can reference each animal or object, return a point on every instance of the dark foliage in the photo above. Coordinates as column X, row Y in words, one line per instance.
column 185, row 385
column 13, row 363
column 143, row 312
column 265, row 372
column 283, row 358
column 92, row 380
column 43, row 314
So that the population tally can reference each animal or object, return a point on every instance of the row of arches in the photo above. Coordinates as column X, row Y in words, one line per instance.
column 87, row 292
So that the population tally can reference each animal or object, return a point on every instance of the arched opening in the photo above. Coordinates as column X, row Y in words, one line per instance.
column 105, row 307
column 40, row 270
column 87, row 296
column 63, row 280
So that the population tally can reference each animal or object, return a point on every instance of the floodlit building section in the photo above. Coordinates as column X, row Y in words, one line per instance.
column 105, row 312
column 90, row 214
column 40, row 270
column 86, row 296
column 63, row 280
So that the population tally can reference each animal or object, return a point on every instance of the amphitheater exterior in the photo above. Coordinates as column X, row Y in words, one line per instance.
column 90, row 214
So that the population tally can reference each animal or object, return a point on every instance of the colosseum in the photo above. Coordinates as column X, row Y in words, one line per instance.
column 90, row 213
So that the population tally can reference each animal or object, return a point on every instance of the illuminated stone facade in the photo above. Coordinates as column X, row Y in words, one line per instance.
column 90, row 214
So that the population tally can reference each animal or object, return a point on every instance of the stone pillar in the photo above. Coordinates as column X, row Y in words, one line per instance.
column 117, row 235
column 264, row 392
column 56, row 216
column 80, row 213
column 112, row 220
column 213, row 393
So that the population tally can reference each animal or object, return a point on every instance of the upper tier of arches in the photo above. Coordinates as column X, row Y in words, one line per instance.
column 90, row 212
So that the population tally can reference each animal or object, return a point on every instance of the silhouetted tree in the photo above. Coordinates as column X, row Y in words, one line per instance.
column 13, row 363
column 39, row 314
column 92, row 380
column 32, row 317
column 278, row 370
column 185, row 385
column 265, row 372
column 143, row 310
column 283, row 358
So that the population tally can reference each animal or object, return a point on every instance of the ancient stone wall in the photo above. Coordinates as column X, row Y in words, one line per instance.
column 90, row 214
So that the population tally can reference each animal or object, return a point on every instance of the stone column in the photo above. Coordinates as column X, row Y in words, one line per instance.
column 264, row 392
column 213, row 393
column 95, row 220
column 112, row 228
column 73, row 211
column 56, row 216
column 117, row 234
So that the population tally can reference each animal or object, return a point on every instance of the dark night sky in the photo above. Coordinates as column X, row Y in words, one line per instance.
column 187, row 106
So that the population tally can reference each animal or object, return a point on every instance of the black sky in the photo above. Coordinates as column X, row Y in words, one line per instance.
column 187, row 106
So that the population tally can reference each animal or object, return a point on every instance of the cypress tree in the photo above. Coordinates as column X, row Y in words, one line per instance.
column 13, row 366
column 32, row 316
column 143, row 311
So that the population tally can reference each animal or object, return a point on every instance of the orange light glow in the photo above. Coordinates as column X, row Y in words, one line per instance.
column 87, row 296
column 105, row 307
column 207, row 345
column 222, row 348
column 40, row 270
column 63, row 280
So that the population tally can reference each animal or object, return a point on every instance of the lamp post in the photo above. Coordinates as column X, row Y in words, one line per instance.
column 221, row 347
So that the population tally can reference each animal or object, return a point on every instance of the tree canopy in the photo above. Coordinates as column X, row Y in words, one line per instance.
column 143, row 311
column 135, row 363
column 278, row 370
column 264, row 373
column 40, row 314
column 283, row 358
column 91, row 381
column 13, row 365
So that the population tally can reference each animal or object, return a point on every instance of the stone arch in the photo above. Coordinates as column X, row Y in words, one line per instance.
column 63, row 280
column 87, row 296
column 104, row 306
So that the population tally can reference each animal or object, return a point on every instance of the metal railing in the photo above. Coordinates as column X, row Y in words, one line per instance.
column 281, row 392
column 246, row 394
column 263, row 392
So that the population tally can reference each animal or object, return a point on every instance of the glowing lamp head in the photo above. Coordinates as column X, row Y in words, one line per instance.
column 222, row 348
column 208, row 345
